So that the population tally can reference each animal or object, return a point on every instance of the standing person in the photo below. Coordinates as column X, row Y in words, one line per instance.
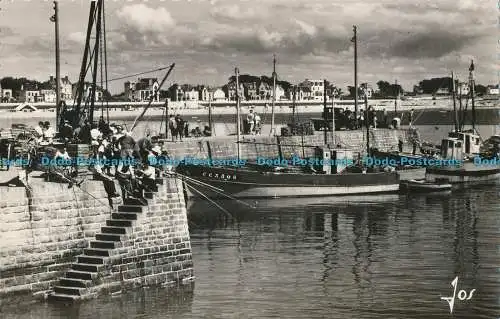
column 172, row 125
column 180, row 126
column 257, row 124
column 251, row 121
column 411, row 117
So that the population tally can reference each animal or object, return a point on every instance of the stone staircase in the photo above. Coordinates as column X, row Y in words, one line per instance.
column 85, row 276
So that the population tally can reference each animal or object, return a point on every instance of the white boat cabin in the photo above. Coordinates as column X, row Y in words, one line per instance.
column 334, row 161
column 471, row 142
column 451, row 148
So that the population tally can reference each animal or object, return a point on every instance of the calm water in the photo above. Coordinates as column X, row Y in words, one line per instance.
column 373, row 257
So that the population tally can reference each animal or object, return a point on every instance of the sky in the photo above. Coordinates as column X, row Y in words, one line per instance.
column 403, row 40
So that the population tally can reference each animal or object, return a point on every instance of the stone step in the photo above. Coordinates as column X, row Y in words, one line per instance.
column 75, row 291
column 77, row 274
column 124, row 215
column 104, row 244
column 119, row 222
column 131, row 208
column 74, row 282
column 114, row 230
column 87, row 267
column 103, row 252
column 62, row 297
column 108, row 237
column 95, row 260
column 135, row 202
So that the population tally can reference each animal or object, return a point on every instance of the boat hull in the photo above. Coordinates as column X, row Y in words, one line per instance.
column 243, row 183
column 424, row 187
column 467, row 173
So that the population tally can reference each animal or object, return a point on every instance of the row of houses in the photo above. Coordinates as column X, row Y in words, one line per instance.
column 461, row 89
column 46, row 92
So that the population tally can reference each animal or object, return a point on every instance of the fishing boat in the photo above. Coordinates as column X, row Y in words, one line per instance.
column 473, row 165
column 423, row 186
column 332, row 176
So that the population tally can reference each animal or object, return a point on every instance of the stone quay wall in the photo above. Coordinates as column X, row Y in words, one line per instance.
column 224, row 147
column 44, row 228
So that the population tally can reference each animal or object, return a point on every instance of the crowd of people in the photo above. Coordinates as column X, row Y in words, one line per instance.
column 179, row 128
column 115, row 154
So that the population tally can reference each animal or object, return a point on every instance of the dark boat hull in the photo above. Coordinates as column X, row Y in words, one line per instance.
column 467, row 173
column 247, row 183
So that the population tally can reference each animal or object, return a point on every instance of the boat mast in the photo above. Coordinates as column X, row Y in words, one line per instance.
column 454, row 101
column 396, row 98
column 210, row 113
column 237, row 75
column 472, row 92
column 325, row 118
column 55, row 19
column 96, row 60
column 367, row 121
column 461, row 112
column 274, row 96
column 293, row 105
column 355, row 40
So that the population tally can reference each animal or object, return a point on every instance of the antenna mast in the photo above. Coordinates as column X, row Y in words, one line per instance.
column 274, row 96
column 355, row 40
column 55, row 19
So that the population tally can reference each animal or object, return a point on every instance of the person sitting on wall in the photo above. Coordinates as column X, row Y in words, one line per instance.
column 96, row 168
column 84, row 133
column 39, row 131
column 125, row 176
column 49, row 133
column 147, row 178
column 143, row 148
column 207, row 131
column 66, row 132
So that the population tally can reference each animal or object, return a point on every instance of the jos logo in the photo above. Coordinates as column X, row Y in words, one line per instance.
column 462, row 294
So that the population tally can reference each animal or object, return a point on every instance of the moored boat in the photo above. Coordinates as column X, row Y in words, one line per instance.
column 423, row 186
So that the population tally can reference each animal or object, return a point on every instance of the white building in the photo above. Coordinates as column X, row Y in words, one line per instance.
column 142, row 90
column 65, row 86
column 48, row 96
column 218, row 94
column 316, row 87
column 280, row 93
column 191, row 94
column 493, row 89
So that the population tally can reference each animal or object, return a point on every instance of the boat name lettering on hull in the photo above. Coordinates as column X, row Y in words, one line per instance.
column 222, row 176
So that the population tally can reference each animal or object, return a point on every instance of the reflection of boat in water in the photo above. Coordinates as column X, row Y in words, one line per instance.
column 205, row 206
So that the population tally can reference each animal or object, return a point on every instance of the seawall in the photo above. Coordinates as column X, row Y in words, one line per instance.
column 253, row 146
column 48, row 230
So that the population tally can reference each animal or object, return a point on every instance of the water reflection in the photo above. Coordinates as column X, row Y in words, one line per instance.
column 366, row 259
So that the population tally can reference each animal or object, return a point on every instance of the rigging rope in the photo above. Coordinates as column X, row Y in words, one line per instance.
column 141, row 73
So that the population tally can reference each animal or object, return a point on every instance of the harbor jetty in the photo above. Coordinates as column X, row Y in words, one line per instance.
column 68, row 243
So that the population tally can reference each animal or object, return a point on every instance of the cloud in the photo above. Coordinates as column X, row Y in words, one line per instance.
column 234, row 12
column 145, row 26
column 432, row 45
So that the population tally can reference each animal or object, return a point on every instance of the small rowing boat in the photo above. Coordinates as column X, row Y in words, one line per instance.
column 423, row 186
